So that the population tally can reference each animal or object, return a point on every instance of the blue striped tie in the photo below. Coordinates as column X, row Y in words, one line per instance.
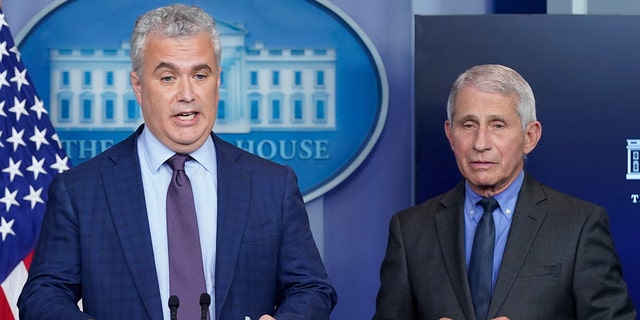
column 481, row 263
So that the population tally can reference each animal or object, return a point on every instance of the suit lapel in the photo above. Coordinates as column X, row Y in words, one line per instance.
column 125, row 199
column 527, row 219
column 233, row 207
column 450, row 221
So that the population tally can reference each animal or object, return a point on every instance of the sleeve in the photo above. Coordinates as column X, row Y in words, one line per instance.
column 304, row 290
column 395, row 299
column 600, row 292
column 53, row 289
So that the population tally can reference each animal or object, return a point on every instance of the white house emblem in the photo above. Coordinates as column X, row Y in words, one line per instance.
column 307, row 89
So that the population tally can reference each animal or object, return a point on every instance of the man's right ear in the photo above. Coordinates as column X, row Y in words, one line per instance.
column 135, row 83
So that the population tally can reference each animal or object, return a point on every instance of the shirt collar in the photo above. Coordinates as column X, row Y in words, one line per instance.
column 507, row 199
column 157, row 153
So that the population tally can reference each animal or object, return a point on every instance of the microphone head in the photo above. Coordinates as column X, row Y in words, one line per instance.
column 174, row 302
column 205, row 299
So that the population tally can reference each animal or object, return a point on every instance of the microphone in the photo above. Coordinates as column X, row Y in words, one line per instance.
column 205, row 301
column 174, row 303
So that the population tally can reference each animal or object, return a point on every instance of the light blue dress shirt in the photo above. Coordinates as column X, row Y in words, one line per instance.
column 502, row 218
column 156, row 175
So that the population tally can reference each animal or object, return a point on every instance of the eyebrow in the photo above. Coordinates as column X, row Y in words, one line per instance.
column 172, row 66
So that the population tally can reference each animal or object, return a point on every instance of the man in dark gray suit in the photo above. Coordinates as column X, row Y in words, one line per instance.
column 549, row 255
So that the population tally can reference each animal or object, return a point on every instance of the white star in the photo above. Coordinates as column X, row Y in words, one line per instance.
column 61, row 164
column 3, row 21
column 34, row 196
column 3, row 79
column 16, row 138
column 38, row 107
column 13, row 169
column 5, row 228
column 1, row 145
column 39, row 137
column 20, row 77
column 18, row 108
column 16, row 52
column 36, row 167
column 2, row 108
column 3, row 50
column 9, row 199
column 55, row 138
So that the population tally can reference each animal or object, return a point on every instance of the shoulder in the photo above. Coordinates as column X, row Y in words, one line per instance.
column 433, row 206
column 549, row 197
column 230, row 153
column 123, row 151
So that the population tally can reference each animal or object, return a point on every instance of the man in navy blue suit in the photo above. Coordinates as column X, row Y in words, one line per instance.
column 104, row 237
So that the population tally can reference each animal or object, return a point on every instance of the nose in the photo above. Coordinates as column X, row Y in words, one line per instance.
column 185, row 92
column 482, row 139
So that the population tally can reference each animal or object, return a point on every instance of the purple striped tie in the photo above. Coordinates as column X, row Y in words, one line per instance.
column 185, row 257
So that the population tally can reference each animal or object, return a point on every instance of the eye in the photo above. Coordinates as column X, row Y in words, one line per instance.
column 498, row 125
column 200, row 76
column 468, row 125
column 167, row 78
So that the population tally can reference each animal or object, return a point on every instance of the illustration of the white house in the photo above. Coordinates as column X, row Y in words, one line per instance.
column 633, row 159
column 261, row 89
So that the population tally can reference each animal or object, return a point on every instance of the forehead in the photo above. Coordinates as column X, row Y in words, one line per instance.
column 199, row 46
column 472, row 101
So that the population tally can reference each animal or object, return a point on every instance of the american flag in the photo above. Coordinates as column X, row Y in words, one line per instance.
column 30, row 155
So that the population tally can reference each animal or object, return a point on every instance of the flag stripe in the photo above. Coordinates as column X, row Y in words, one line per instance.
column 30, row 155
column 16, row 279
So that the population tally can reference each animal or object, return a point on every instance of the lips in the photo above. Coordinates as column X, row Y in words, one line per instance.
column 185, row 116
column 481, row 164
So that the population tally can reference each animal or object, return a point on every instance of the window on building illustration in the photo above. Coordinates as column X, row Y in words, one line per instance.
column 222, row 110
column 87, row 105
column 109, row 79
column 275, row 78
column 65, row 110
column 65, row 80
column 109, row 110
column 132, row 110
column 321, row 112
column 108, row 106
column 276, row 112
column 319, row 78
column 86, row 79
column 255, row 110
column 297, row 110
column 223, row 79
column 253, row 78
column 297, row 78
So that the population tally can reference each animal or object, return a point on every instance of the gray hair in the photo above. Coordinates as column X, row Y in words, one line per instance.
column 494, row 78
column 174, row 21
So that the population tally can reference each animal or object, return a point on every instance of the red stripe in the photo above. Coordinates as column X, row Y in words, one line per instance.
column 5, row 309
column 27, row 260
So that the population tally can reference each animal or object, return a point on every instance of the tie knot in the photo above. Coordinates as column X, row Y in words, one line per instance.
column 177, row 161
column 489, row 204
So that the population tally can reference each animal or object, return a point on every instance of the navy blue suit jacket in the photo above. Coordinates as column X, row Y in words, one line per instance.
column 95, row 244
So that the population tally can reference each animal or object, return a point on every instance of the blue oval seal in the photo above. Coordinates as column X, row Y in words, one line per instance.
column 301, row 83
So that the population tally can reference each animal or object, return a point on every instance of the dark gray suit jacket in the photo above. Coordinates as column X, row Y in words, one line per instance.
column 559, row 262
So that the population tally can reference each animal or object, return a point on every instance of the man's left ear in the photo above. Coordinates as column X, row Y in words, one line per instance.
column 532, row 136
